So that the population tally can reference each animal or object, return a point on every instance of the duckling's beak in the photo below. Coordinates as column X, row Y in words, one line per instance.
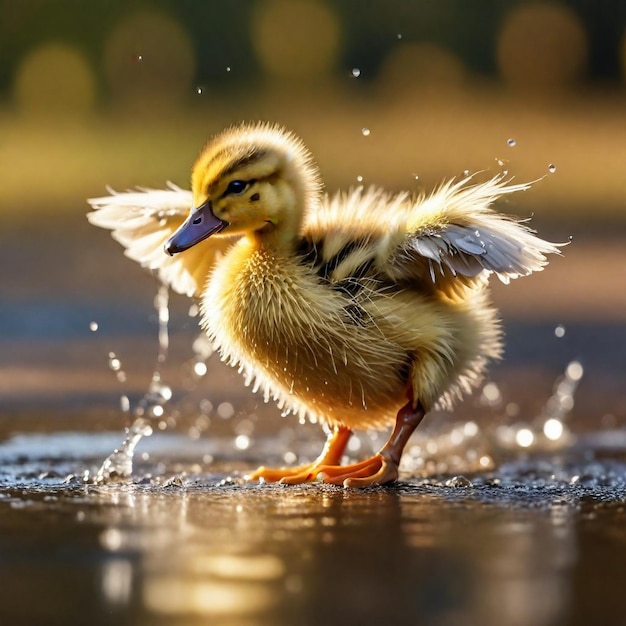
column 197, row 227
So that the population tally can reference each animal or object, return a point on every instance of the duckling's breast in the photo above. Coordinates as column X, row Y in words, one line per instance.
column 319, row 351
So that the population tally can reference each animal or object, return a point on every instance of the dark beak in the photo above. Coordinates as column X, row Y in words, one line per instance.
column 197, row 227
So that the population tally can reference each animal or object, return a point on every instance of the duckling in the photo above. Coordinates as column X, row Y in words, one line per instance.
column 361, row 311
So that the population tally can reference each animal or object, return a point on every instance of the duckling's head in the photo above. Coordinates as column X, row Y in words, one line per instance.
column 255, row 179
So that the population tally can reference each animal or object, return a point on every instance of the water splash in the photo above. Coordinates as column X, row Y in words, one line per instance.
column 561, row 402
column 467, row 447
column 549, row 429
column 119, row 464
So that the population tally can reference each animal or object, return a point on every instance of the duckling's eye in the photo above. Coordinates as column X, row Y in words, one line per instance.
column 236, row 187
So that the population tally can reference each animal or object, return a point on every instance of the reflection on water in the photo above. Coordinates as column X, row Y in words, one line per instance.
column 516, row 545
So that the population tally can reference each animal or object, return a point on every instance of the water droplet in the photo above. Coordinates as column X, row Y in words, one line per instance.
column 470, row 429
column 553, row 429
column 245, row 427
column 228, row 68
column 356, row 72
column 466, row 172
column 500, row 162
column 399, row 36
column 511, row 143
column 559, row 331
column 524, row 437
column 459, row 482
column 365, row 132
column 138, row 58
column 124, row 404
column 290, row 457
column 242, row 442
column 491, row 394
column 225, row 410
column 93, row 326
column 574, row 370
column 354, row 444
column 551, row 168
column 512, row 409
column 200, row 369
column 359, row 179
column 199, row 90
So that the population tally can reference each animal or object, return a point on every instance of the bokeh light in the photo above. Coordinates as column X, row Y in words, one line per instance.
column 148, row 56
column 296, row 38
column 423, row 65
column 54, row 80
column 542, row 47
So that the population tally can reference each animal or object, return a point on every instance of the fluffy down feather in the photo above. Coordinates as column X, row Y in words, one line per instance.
column 338, row 308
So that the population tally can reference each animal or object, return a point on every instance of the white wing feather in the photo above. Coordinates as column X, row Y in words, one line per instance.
column 457, row 232
column 450, row 237
column 142, row 221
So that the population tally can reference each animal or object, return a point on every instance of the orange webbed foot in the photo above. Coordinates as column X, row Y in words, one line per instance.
column 285, row 475
column 377, row 470
column 380, row 469
column 331, row 454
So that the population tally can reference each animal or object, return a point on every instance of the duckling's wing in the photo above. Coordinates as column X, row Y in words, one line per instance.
column 142, row 221
column 455, row 234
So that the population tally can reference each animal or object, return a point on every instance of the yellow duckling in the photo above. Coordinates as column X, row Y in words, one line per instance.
column 363, row 310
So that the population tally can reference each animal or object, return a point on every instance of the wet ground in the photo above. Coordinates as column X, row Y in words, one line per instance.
column 537, row 541
column 497, row 519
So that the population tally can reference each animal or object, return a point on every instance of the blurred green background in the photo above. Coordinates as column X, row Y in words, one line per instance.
column 126, row 93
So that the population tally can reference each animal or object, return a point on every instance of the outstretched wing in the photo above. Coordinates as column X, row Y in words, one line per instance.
column 142, row 221
column 453, row 236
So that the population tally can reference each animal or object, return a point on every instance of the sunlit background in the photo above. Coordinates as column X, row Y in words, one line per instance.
column 400, row 93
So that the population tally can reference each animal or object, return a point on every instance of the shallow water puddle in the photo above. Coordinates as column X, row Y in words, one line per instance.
column 501, row 519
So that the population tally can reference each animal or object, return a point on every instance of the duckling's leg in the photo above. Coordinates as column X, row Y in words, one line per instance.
column 382, row 468
column 330, row 456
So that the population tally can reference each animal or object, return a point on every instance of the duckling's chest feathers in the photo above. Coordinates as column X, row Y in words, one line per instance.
column 304, row 326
